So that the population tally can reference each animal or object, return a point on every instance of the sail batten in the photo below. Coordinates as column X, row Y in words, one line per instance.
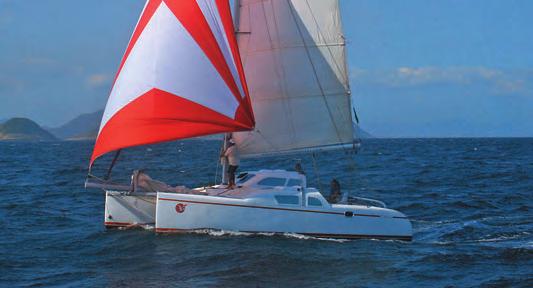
column 294, row 58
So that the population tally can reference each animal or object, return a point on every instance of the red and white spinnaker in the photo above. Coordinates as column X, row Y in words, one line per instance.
column 181, row 77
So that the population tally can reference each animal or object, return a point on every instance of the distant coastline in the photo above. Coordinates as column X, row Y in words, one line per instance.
column 84, row 127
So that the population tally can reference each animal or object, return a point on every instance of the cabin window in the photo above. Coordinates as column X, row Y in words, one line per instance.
column 272, row 181
column 244, row 177
column 287, row 199
column 312, row 201
column 294, row 182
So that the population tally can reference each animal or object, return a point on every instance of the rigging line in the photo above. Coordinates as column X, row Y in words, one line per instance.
column 287, row 100
column 266, row 140
column 291, row 8
column 353, row 166
column 108, row 175
column 91, row 176
column 347, row 71
column 219, row 159
column 321, row 34
column 355, row 114
column 248, row 140
column 317, row 174
column 344, row 74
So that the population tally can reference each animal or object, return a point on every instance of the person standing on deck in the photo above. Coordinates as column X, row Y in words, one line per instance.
column 232, row 155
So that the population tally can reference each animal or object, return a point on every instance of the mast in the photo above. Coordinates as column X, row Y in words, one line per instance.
column 236, row 14
column 225, row 160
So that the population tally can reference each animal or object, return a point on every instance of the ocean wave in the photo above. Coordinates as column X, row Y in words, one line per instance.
column 502, row 238
column 306, row 237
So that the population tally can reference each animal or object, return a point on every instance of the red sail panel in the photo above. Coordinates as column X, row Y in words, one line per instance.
column 181, row 77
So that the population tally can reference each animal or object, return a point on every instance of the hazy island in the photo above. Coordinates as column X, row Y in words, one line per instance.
column 83, row 127
column 23, row 129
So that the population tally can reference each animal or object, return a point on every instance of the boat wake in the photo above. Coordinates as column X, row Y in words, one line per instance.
column 306, row 237
column 229, row 233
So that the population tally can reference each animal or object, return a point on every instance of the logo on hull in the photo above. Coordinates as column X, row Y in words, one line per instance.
column 180, row 208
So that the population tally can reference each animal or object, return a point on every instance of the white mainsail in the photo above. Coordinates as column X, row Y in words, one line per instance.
column 293, row 53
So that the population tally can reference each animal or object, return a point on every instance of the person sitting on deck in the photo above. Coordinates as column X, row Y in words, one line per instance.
column 298, row 168
column 142, row 182
column 335, row 195
column 232, row 154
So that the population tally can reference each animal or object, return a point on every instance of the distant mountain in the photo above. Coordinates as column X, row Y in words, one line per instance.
column 23, row 129
column 83, row 127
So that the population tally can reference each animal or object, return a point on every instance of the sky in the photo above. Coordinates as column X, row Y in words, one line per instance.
column 418, row 68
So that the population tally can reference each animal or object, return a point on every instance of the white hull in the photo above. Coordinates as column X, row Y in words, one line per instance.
column 208, row 212
column 257, row 209
column 123, row 210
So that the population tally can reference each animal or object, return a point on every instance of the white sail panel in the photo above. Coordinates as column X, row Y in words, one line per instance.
column 293, row 53
column 133, row 80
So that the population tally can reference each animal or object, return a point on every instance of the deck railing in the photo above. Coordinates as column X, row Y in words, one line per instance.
column 358, row 200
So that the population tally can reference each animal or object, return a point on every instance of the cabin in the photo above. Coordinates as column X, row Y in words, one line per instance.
column 276, row 187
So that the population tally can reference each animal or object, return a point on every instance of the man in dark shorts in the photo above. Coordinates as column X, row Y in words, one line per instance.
column 232, row 154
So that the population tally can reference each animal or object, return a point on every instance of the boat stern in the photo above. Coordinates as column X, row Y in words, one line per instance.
column 126, row 210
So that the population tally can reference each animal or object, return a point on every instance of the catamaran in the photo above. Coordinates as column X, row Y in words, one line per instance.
column 273, row 75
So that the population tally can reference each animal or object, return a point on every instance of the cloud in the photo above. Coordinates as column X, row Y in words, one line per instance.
column 98, row 80
column 498, row 81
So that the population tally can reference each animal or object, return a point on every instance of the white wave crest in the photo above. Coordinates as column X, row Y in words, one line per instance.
column 230, row 233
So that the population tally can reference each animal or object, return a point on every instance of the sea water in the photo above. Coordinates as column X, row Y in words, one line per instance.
column 470, row 201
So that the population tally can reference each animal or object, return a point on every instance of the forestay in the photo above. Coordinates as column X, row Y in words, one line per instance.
column 293, row 53
column 181, row 77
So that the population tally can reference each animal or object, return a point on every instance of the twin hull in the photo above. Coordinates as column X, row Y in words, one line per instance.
column 177, row 213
